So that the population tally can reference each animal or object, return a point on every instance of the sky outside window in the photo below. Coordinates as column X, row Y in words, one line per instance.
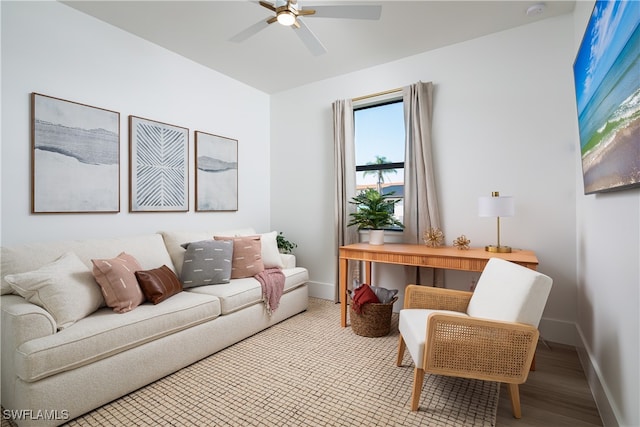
column 379, row 131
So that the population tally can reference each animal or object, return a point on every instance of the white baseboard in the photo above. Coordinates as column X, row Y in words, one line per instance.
column 598, row 388
column 321, row 290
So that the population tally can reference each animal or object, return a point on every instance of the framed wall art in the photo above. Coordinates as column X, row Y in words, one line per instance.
column 607, row 84
column 216, row 173
column 158, row 169
column 75, row 161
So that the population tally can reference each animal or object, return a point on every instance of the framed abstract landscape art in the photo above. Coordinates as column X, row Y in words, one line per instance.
column 75, row 160
column 607, row 82
column 216, row 173
column 158, row 170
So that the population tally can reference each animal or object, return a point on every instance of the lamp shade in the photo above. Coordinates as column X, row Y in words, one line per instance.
column 496, row 206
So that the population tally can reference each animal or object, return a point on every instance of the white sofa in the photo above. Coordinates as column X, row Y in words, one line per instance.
column 50, row 376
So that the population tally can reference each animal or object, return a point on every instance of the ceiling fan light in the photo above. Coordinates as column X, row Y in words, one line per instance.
column 286, row 18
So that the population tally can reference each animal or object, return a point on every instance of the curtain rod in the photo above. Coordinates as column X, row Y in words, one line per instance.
column 373, row 95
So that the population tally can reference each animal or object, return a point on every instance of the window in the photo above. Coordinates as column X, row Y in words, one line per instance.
column 379, row 148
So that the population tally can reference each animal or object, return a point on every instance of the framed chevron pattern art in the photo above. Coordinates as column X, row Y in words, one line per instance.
column 158, row 166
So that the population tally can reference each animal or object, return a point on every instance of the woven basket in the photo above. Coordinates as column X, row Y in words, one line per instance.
column 374, row 320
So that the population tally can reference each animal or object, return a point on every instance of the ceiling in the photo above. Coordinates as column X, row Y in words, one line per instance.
column 275, row 59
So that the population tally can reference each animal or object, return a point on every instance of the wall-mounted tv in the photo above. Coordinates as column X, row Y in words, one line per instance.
column 607, row 81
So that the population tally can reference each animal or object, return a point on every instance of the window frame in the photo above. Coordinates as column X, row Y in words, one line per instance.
column 374, row 102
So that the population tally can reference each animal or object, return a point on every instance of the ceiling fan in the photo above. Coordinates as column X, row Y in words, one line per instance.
column 289, row 13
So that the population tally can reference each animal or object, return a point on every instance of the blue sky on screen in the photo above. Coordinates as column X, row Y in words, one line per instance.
column 611, row 25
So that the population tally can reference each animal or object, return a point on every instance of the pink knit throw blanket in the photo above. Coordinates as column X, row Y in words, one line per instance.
column 272, row 282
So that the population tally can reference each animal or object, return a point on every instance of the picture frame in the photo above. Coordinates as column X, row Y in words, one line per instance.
column 216, row 162
column 607, row 92
column 75, row 157
column 158, row 166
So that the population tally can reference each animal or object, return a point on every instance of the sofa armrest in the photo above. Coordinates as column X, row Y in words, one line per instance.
column 416, row 296
column 489, row 350
column 23, row 321
column 288, row 260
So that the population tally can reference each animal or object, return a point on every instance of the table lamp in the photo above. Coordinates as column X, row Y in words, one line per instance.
column 496, row 206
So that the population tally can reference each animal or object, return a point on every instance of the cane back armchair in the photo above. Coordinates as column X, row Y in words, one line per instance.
column 489, row 334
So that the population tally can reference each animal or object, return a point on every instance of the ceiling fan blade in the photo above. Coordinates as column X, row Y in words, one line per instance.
column 251, row 31
column 347, row 11
column 306, row 12
column 309, row 39
column 267, row 5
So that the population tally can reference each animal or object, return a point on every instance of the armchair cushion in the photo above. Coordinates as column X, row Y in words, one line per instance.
column 510, row 292
column 413, row 328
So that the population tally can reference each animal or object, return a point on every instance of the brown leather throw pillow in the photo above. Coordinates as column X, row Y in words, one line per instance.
column 158, row 284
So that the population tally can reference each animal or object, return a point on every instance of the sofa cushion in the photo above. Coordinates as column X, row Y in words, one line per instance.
column 106, row 333
column 207, row 262
column 116, row 277
column 240, row 293
column 158, row 284
column 148, row 249
column 64, row 287
column 247, row 256
column 174, row 240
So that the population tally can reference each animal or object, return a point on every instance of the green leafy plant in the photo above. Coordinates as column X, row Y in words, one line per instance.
column 375, row 210
column 285, row 246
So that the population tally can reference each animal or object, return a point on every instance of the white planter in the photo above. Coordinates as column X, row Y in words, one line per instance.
column 376, row 237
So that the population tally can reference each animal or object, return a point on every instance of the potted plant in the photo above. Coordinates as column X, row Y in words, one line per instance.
column 284, row 246
column 374, row 212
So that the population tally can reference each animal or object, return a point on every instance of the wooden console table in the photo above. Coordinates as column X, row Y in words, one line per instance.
column 449, row 258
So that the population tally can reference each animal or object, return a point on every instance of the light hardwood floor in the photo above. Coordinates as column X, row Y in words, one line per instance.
column 556, row 394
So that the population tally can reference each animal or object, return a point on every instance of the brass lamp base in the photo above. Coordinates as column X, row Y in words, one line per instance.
column 498, row 249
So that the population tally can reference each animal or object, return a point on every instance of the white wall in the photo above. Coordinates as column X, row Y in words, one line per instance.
column 504, row 121
column 52, row 49
column 608, row 268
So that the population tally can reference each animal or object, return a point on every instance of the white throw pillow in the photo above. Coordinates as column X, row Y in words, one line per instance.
column 270, row 253
column 64, row 287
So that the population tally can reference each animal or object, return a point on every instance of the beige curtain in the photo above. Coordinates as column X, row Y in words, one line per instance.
column 420, row 198
column 345, row 183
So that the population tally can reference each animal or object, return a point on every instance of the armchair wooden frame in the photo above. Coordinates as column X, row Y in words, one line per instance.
column 469, row 347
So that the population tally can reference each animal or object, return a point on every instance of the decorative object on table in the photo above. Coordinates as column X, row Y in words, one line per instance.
column 375, row 212
column 607, row 99
column 496, row 206
column 285, row 246
column 369, row 316
column 158, row 170
column 461, row 242
column 433, row 237
column 75, row 157
column 216, row 173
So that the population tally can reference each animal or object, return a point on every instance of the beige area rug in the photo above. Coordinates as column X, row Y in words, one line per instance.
column 305, row 371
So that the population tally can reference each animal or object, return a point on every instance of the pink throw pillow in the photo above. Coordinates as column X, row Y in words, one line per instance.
column 247, row 256
column 118, row 282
